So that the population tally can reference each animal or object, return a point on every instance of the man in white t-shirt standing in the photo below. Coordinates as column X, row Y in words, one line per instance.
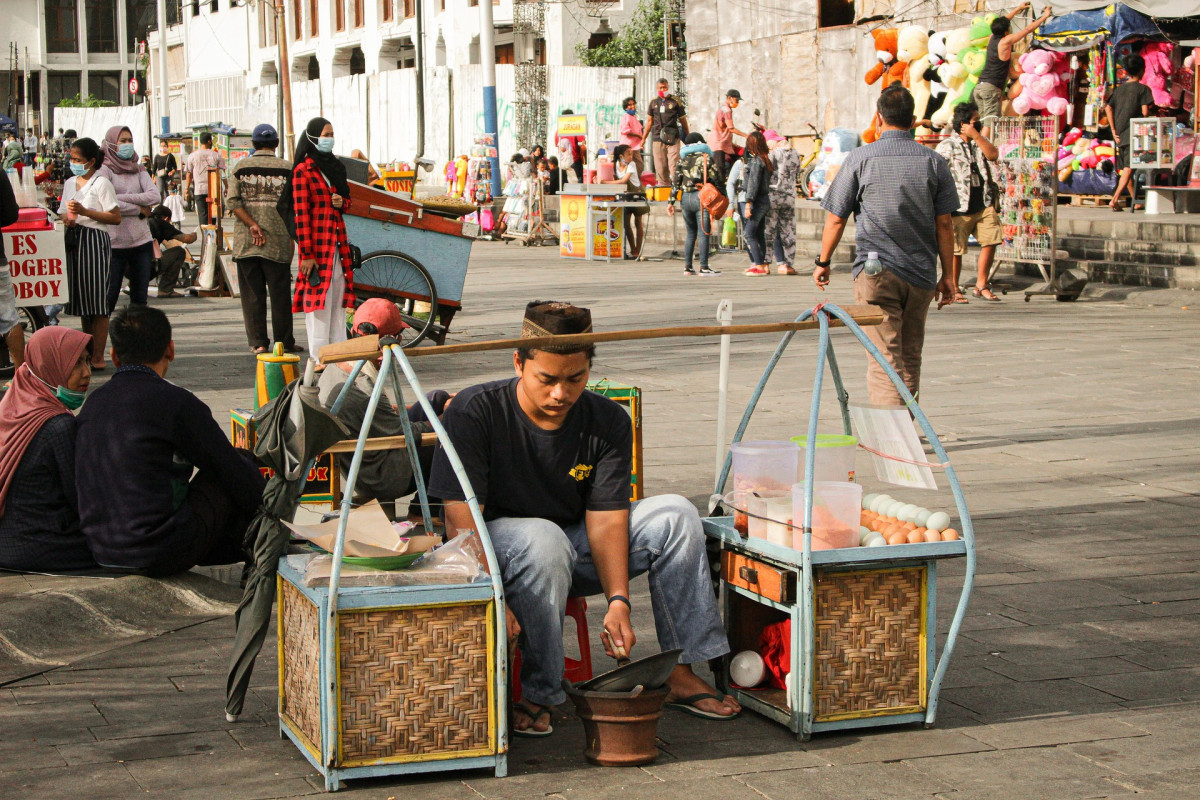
column 196, row 167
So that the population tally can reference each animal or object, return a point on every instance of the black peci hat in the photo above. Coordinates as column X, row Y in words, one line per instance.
column 551, row 318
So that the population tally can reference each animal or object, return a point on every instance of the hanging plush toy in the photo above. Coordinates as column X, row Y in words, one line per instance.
column 953, row 75
column 937, row 89
column 1040, row 84
column 887, row 68
column 912, row 48
column 1157, row 56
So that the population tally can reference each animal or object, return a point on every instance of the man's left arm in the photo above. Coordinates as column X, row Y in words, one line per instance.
column 608, row 538
column 945, row 242
column 945, row 203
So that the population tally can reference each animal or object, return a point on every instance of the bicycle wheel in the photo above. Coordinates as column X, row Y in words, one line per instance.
column 805, row 174
column 32, row 318
column 394, row 276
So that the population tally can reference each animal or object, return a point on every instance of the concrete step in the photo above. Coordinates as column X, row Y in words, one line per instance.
column 1135, row 252
column 58, row 620
column 1125, row 273
column 1133, row 228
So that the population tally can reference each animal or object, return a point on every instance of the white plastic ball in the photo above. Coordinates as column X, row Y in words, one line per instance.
column 747, row 669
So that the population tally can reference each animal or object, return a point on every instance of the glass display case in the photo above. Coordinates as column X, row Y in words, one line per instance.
column 1152, row 143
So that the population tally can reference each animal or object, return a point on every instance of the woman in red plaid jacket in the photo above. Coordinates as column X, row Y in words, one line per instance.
column 320, row 194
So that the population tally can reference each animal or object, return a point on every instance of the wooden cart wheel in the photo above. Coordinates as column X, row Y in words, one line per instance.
column 394, row 276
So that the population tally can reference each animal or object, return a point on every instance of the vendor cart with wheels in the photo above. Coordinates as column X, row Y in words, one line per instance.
column 412, row 255
column 859, row 621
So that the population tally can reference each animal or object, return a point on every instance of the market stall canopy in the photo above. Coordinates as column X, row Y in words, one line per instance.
column 1116, row 22
column 1165, row 9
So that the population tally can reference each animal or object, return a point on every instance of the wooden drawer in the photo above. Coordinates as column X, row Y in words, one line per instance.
column 747, row 573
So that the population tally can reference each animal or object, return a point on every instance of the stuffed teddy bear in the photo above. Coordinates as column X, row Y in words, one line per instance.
column 1157, row 56
column 937, row 89
column 888, row 68
column 913, row 49
column 1040, row 84
column 953, row 74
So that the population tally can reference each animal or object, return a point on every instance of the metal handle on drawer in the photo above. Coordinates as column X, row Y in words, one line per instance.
column 747, row 574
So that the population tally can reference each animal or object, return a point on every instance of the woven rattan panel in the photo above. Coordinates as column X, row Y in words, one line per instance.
column 414, row 681
column 869, row 646
column 299, row 630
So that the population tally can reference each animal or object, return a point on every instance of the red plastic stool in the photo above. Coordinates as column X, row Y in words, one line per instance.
column 574, row 670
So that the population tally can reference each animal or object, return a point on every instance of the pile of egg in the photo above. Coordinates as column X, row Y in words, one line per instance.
column 885, row 520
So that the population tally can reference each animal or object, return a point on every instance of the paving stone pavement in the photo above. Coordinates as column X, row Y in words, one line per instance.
column 1074, row 431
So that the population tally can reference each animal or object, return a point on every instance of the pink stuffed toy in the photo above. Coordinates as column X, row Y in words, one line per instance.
column 1040, row 84
column 1158, row 70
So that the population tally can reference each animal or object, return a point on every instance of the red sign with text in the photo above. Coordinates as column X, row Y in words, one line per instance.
column 37, row 261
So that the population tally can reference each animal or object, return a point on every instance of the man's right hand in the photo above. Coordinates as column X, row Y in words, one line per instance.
column 257, row 238
column 821, row 277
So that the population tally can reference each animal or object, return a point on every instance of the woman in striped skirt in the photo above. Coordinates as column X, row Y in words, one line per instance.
column 89, row 208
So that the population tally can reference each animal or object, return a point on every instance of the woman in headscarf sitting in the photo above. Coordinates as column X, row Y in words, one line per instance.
column 316, row 198
column 39, row 521
column 132, row 249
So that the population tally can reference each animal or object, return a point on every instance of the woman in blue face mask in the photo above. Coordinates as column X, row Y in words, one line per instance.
column 39, row 522
column 315, row 199
column 132, row 245
column 89, row 210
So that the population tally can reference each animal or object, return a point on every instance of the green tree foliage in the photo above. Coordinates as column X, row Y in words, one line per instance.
column 644, row 31
column 75, row 101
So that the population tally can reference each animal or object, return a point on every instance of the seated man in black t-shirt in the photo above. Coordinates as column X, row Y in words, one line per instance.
column 172, row 258
column 550, row 465
column 160, row 487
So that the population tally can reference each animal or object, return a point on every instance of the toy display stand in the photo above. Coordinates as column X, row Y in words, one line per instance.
column 527, row 224
column 875, row 660
column 394, row 680
column 1028, row 181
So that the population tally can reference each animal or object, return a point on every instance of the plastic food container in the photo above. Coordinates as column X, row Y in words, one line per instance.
column 759, row 508
column 835, row 456
column 765, row 468
column 779, row 520
column 836, row 509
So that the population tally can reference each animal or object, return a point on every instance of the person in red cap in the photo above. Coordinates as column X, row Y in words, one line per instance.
column 385, row 475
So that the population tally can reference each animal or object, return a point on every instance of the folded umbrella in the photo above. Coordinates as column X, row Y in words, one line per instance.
column 292, row 430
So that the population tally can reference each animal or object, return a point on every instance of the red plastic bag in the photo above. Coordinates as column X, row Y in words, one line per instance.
column 775, row 646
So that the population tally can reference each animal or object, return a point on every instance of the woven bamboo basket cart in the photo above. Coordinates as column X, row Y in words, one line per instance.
column 863, row 632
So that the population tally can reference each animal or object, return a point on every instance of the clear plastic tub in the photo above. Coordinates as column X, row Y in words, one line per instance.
column 835, row 456
column 765, row 468
column 779, row 520
column 836, row 508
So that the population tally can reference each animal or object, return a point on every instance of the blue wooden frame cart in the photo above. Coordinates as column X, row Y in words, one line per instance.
column 394, row 680
column 862, row 619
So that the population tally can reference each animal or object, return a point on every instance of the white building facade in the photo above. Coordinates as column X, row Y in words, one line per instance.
column 74, row 47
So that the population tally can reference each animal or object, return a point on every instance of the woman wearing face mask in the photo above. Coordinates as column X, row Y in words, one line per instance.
column 89, row 209
column 132, row 250
column 631, row 132
column 316, row 198
column 39, row 521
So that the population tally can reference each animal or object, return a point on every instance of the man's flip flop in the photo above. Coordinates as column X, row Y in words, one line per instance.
column 529, row 732
column 688, row 706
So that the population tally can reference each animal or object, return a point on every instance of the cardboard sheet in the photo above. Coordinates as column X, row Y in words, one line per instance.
column 369, row 534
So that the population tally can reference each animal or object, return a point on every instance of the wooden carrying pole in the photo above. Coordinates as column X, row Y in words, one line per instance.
column 368, row 346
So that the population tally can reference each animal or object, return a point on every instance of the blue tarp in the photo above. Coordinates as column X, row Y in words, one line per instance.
column 1077, row 30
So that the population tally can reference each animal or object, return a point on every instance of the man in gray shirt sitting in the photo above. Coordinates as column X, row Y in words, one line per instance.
column 902, row 195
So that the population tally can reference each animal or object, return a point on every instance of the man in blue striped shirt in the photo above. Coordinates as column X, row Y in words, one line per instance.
column 901, row 194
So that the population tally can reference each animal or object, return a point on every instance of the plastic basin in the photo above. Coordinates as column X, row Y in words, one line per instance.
column 837, row 506
column 766, row 468
column 835, row 456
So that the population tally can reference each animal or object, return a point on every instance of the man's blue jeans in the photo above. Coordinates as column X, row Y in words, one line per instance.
column 542, row 565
